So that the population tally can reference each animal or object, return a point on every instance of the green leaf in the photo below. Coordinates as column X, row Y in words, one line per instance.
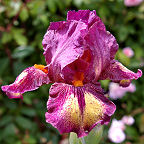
column 22, row 51
column 130, row 16
column 139, row 51
column 93, row 137
column 30, row 140
column 51, row 5
column 19, row 37
column 18, row 142
column 19, row 67
column 27, row 100
column 24, row 122
column 1, row 133
column 55, row 139
column 6, row 37
column 10, row 104
column 78, row 2
column 141, row 124
column 46, row 135
column 3, row 65
column 123, row 33
column 104, row 83
column 36, row 7
column 2, row 110
column 66, row 2
column 13, row 9
column 24, row 14
column 9, row 130
column 44, row 89
column 132, row 132
column 123, row 58
column 11, row 139
column 129, row 106
column 28, row 111
column 5, row 120
column 73, row 139
column 28, row 97
column 44, row 19
column 103, row 12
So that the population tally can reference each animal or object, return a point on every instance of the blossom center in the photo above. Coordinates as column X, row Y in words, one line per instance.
column 41, row 67
column 78, row 79
column 16, row 94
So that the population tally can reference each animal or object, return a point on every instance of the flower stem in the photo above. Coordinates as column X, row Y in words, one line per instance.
column 83, row 141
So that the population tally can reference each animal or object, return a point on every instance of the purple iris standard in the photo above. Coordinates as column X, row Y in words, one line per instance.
column 78, row 53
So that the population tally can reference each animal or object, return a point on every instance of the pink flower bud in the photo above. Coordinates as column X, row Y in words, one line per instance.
column 128, row 120
column 116, row 133
column 116, row 91
column 130, row 3
column 117, row 124
column 128, row 52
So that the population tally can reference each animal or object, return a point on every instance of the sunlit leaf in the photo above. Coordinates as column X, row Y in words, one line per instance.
column 6, row 37
column 24, row 14
column 93, row 137
column 123, row 58
column 51, row 5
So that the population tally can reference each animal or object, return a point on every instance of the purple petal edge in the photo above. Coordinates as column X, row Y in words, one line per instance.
column 30, row 79
column 68, row 114
column 120, row 74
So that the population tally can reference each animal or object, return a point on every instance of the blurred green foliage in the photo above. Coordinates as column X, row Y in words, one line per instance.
column 23, row 24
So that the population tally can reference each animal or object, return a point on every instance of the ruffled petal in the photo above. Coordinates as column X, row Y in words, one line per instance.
column 78, row 109
column 30, row 79
column 63, row 44
column 118, row 73
column 67, row 42
column 103, row 46
column 87, row 16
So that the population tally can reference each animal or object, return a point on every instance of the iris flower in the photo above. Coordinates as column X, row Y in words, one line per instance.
column 78, row 52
